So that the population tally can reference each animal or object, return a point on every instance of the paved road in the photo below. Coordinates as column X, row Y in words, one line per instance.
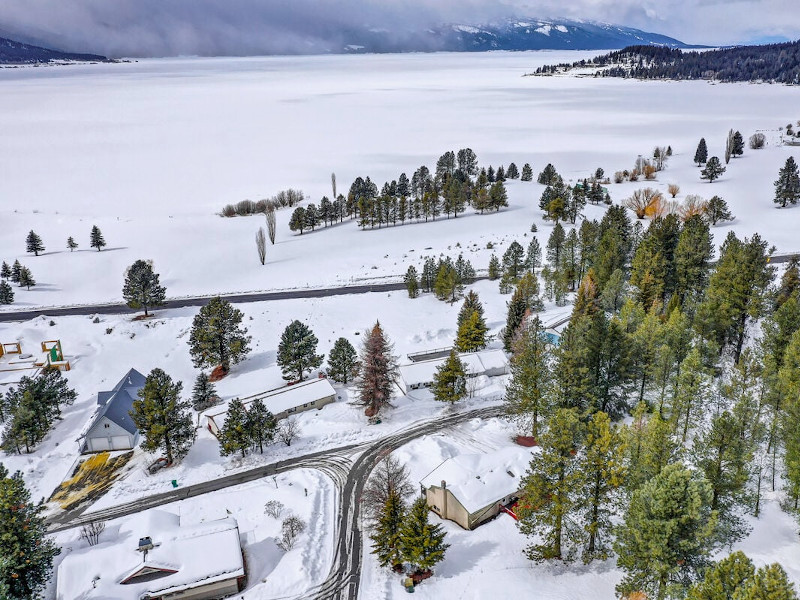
column 348, row 475
column 106, row 309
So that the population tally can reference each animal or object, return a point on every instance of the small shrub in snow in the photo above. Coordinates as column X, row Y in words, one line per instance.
column 274, row 508
column 758, row 141
column 91, row 532
column 291, row 528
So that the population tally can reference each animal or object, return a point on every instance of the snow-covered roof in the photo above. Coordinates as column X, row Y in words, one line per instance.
column 475, row 363
column 187, row 555
column 477, row 480
column 115, row 405
column 286, row 397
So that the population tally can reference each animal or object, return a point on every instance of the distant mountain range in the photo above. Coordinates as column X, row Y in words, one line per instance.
column 516, row 34
column 512, row 34
column 17, row 53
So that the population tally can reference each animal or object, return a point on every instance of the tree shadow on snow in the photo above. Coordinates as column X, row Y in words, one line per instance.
column 461, row 557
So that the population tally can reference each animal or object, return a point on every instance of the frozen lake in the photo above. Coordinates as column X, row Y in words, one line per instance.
column 150, row 151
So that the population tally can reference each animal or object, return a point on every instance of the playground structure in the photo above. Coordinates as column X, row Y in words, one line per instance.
column 15, row 362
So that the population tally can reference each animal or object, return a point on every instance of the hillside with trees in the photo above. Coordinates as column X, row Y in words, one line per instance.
column 777, row 63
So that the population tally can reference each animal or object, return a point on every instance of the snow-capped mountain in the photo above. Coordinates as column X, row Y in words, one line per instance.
column 516, row 34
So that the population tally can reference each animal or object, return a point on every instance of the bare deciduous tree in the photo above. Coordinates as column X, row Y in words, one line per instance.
column 642, row 201
column 757, row 141
column 271, row 223
column 673, row 189
column 91, row 532
column 333, row 185
column 389, row 475
column 261, row 245
column 288, row 430
column 692, row 205
column 291, row 528
column 273, row 508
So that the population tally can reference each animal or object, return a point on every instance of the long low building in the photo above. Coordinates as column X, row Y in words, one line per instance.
column 419, row 375
column 470, row 489
column 283, row 401
column 173, row 560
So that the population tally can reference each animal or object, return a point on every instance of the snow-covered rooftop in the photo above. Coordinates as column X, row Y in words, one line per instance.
column 286, row 397
column 477, row 480
column 187, row 554
column 475, row 363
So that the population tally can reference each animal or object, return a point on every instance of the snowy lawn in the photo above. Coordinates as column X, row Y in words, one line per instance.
column 272, row 573
column 151, row 151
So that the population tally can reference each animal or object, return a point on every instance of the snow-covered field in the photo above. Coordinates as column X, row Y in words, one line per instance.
column 151, row 151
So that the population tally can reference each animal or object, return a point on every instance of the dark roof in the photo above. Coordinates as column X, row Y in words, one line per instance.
column 117, row 404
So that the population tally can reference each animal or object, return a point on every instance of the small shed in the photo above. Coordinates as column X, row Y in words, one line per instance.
column 283, row 401
column 419, row 375
column 113, row 427
column 470, row 489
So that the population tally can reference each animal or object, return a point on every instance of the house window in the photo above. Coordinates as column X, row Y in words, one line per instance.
column 305, row 405
column 106, row 425
column 291, row 410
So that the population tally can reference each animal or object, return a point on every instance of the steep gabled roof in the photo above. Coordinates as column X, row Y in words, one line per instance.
column 117, row 404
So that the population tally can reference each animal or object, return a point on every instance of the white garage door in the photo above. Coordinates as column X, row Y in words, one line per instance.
column 99, row 444
column 120, row 442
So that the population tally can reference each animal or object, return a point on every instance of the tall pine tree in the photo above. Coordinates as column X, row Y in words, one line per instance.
column 297, row 351
column 378, row 372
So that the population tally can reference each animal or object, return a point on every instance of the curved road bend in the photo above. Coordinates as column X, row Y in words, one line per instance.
column 350, row 478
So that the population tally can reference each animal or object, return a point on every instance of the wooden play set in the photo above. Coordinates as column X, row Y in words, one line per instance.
column 15, row 362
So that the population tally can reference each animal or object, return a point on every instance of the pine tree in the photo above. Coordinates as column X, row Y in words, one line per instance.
column 297, row 222
column 769, row 583
column 529, row 392
column 651, row 446
column 692, row 392
column 513, row 172
column 234, row 436
column 471, row 335
column 26, row 278
column 787, row 186
column 737, row 146
column 412, row 282
column 5, row 271
column 494, row 267
column 549, row 496
column 724, row 456
column 386, row 543
column 448, row 285
column 501, row 174
column 260, row 424
column 450, row 380
column 527, row 172
column 498, row 196
column 528, row 287
column 471, row 304
column 716, row 210
column 26, row 551
column 217, row 337
column 96, row 238
column 548, row 175
column 555, row 245
column 665, row 539
column 33, row 243
column 533, row 258
column 736, row 292
column 16, row 269
column 713, row 170
column 723, row 579
column 6, row 293
column 297, row 351
column 343, row 365
column 693, row 255
column 516, row 315
column 162, row 417
column 602, row 474
column 142, row 288
column 790, row 283
column 204, row 393
column 71, row 244
column 428, row 275
column 422, row 544
column 378, row 372
column 701, row 154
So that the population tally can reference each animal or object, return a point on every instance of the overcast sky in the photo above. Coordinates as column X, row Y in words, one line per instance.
column 174, row 27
